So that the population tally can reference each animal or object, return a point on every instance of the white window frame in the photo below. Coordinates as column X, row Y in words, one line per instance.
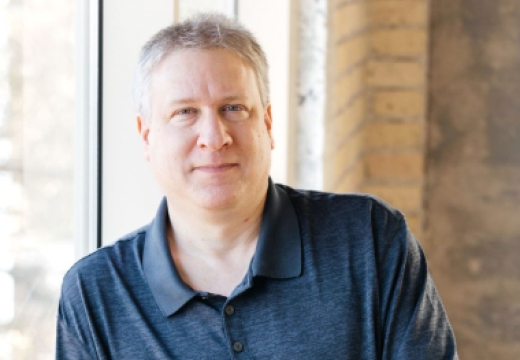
column 87, row 140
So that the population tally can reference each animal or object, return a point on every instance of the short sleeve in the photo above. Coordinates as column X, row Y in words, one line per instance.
column 68, row 343
column 414, row 321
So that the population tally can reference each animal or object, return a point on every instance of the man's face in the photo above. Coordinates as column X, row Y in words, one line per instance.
column 209, row 137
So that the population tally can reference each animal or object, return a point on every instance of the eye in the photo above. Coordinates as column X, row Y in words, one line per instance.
column 233, row 108
column 184, row 115
column 235, row 112
column 185, row 112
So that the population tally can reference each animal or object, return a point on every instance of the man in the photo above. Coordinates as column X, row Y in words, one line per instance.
column 234, row 266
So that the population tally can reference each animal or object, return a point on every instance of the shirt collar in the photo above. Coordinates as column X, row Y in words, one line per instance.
column 278, row 252
column 168, row 289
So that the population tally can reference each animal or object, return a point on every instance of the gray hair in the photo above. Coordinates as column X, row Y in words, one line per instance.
column 204, row 31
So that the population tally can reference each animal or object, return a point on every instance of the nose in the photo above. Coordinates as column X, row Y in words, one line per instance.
column 213, row 132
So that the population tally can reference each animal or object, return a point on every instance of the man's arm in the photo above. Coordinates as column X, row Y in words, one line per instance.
column 72, row 327
column 68, row 345
column 414, row 321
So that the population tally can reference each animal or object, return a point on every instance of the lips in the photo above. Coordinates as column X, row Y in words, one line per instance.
column 220, row 167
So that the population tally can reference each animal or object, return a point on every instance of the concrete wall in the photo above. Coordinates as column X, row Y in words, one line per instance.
column 473, row 172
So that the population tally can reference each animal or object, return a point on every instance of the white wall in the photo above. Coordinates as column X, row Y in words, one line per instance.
column 130, row 195
column 270, row 21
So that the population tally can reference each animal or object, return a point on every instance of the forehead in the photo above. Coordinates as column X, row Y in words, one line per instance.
column 215, row 66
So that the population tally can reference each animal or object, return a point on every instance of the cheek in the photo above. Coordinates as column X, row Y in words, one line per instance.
column 262, row 146
column 162, row 146
column 266, row 139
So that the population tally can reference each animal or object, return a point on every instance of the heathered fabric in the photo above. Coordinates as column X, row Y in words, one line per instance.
column 333, row 277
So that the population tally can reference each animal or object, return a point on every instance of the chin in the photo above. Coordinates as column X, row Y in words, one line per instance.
column 216, row 203
column 217, row 198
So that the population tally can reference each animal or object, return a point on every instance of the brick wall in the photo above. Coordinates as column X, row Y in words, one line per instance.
column 349, row 53
column 374, row 139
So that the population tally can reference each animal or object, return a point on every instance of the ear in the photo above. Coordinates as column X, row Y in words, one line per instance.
column 268, row 120
column 143, row 128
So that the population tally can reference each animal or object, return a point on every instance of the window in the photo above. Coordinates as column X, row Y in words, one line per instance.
column 37, row 89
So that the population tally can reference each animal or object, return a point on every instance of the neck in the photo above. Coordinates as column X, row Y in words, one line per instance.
column 212, row 250
column 216, row 233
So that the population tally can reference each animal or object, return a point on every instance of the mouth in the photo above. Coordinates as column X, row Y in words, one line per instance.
column 216, row 168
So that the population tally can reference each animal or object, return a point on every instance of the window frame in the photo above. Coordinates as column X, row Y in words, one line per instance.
column 88, row 127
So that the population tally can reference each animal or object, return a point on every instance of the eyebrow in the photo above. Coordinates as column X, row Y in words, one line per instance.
column 235, row 97
column 192, row 100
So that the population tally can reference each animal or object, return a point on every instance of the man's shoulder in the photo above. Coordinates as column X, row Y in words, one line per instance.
column 108, row 262
column 355, row 220
column 358, row 204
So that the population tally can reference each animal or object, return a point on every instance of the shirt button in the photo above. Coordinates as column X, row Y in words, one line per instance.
column 237, row 346
column 230, row 310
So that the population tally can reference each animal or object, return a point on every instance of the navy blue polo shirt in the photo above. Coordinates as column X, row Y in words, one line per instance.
column 333, row 277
